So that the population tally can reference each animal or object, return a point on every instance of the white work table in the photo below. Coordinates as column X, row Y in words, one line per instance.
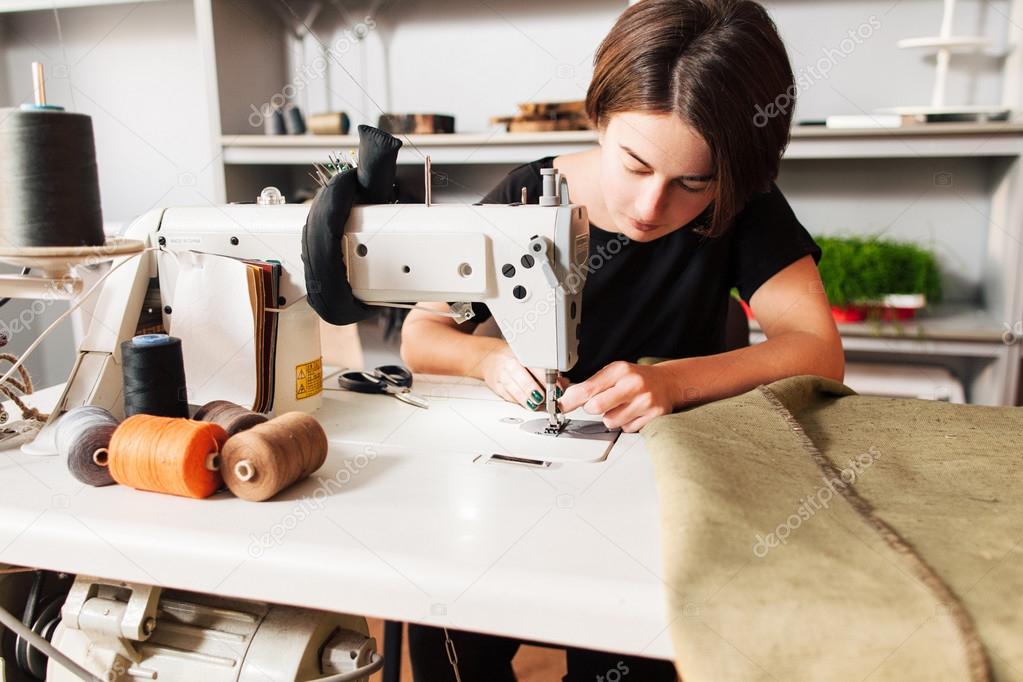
column 402, row 526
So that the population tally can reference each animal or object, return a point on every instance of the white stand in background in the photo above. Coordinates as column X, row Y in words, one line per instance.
column 944, row 44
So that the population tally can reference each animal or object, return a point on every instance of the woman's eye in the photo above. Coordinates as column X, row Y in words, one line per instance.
column 690, row 188
column 637, row 171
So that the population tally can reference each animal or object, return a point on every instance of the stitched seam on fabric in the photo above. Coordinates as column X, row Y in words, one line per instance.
column 977, row 659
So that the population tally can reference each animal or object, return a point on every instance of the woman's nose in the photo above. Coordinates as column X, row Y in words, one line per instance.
column 650, row 201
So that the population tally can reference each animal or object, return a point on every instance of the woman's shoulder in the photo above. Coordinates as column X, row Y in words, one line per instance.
column 771, row 205
column 509, row 189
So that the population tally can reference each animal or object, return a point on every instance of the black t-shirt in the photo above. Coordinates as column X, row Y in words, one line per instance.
column 668, row 297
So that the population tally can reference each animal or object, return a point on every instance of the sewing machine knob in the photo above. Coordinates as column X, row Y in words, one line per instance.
column 539, row 246
column 270, row 196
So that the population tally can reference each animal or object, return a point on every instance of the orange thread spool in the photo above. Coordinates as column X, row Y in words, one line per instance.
column 167, row 455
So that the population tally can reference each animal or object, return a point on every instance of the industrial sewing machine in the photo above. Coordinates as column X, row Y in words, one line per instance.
column 526, row 262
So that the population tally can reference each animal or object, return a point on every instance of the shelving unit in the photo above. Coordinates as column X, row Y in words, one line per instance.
column 248, row 55
column 931, row 141
column 31, row 5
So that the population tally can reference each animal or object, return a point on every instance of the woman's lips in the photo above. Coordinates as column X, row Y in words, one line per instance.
column 642, row 227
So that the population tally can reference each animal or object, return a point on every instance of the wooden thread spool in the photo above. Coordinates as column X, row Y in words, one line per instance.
column 167, row 455
column 230, row 417
column 83, row 436
column 266, row 459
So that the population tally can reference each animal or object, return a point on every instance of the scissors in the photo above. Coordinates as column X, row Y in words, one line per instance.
column 392, row 379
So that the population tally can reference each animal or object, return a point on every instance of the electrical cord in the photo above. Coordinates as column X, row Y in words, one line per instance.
column 27, row 616
column 45, row 624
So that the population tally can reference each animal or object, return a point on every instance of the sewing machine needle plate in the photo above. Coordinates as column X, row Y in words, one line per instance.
column 575, row 428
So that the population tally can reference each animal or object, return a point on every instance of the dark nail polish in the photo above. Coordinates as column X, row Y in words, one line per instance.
column 530, row 405
column 557, row 392
column 537, row 396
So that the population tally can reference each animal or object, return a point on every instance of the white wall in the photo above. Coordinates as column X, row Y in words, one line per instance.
column 874, row 73
column 464, row 58
column 135, row 69
column 455, row 57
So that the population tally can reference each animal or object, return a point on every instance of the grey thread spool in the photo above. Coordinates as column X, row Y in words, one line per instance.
column 230, row 417
column 49, row 185
column 83, row 435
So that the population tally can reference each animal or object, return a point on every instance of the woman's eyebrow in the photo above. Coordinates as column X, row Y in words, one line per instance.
column 694, row 178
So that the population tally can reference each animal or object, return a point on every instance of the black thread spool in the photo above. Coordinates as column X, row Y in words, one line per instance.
column 154, row 376
column 83, row 436
column 294, row 122
column 49, row 185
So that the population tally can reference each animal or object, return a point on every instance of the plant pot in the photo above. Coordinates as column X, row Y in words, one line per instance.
column 891, row 308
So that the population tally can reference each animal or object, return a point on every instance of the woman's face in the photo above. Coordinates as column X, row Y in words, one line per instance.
column 655, row 173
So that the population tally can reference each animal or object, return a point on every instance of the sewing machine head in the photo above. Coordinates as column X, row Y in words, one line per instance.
column 526, row 263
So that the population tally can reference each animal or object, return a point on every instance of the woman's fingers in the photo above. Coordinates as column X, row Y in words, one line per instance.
column 637, row 424
column 526, row 388
column 621, row 415
column 541, row 380
column 502, row 391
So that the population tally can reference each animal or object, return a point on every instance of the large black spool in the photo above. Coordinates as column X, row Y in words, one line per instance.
column 49, row 184
column 153, row 369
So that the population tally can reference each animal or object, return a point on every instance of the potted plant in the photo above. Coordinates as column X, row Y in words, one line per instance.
column 877, row 278
column 868, row 277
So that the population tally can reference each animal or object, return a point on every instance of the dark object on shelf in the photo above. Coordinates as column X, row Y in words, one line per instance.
column 416, row 124
column 329, row 123
column 534, row 117
column 273, row 122
column 294, row 123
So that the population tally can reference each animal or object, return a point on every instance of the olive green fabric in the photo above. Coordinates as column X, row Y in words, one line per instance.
column 810, row 533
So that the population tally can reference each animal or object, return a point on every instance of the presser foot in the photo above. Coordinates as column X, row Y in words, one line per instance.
column 571, row 428
column 555, row 426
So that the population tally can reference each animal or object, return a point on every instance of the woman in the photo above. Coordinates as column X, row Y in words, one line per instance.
column 693, row 101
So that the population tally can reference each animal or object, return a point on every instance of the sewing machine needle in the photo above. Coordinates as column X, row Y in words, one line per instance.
column 554, row 420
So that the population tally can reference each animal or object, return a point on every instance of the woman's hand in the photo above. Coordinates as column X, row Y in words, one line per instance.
column 509, row 379
column 628, row 395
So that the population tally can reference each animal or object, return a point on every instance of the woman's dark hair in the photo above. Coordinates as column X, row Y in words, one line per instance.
column 718, row 64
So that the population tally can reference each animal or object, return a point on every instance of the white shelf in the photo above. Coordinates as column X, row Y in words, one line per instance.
column 945, row 42
column 458, row 148
column 32, row 5
column 931, row 140
column 945, row 330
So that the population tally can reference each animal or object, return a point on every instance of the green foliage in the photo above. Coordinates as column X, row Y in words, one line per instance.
column 856, row 269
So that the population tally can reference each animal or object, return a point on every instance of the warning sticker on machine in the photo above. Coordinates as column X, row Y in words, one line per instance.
column 308, row 379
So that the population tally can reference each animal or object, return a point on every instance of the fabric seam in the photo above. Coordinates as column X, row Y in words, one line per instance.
column 978, row 663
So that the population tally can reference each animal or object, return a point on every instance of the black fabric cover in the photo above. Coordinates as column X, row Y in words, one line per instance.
column 372, row 182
